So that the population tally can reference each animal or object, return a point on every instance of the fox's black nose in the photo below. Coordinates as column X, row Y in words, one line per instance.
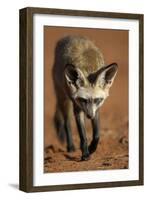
column 90, row 116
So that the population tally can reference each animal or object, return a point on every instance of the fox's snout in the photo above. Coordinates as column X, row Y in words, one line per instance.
column 90, row 114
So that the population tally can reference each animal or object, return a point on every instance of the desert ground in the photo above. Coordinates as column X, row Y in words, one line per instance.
column 112, row 151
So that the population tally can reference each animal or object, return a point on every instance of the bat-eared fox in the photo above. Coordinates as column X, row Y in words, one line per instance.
column 82, row 81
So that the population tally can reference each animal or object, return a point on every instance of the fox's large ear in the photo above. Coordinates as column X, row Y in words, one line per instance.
column 74, row 77
column 105, row 76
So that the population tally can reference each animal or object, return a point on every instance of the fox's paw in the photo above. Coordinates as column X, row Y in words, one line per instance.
column 85, row 157
column 92, row 149
column 93, row 146
column 71, row 148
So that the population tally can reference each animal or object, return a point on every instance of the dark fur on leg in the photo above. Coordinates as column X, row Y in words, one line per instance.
column 59, row 126
column 70, row 145
column 82, row 133
column 95, row 126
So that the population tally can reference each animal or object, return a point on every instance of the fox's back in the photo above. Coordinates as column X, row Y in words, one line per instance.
column 78, row 51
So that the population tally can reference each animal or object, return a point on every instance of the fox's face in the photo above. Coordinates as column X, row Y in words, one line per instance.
column 89, row 93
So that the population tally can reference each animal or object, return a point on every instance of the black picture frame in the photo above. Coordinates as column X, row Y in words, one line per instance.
column 26, row 99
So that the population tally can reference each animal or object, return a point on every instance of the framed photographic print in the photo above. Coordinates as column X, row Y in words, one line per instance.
column 81, row 99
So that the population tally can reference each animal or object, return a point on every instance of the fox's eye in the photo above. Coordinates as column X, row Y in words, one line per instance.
column 98, row 100
column 82, row 100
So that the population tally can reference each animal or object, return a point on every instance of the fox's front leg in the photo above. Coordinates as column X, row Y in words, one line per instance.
column 70, row 145
column 79, row 115
column 95, row 140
